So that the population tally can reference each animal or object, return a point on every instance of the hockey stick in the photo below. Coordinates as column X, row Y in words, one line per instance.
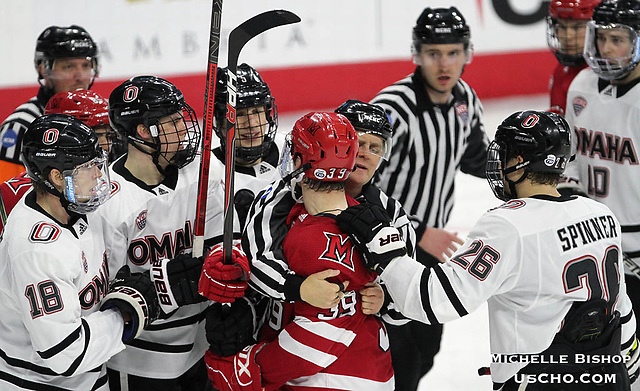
column 209, row 99
column 237, row 39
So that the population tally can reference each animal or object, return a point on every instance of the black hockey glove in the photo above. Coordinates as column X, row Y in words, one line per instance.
column 176, row 281
column 134, row 295
column 370, row 228
column 230, row 328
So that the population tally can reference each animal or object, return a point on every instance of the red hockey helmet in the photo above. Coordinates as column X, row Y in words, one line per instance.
column 87, row 106
column 327, row 144
column 572, row 9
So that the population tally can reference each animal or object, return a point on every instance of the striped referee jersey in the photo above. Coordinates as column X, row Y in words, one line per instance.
column 266, row 229
column 430, row 143
column 13, row 128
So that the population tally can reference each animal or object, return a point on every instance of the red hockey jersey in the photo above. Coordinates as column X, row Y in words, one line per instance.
column 336, row 349
column 10, row 193
column 559, row 85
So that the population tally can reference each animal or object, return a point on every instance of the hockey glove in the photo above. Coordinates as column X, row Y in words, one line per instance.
column 224, row 283
column 176, row 281
column 230, row 328
column 132, row 294
column 236, row 373
column 370, row 228
column 633, row 362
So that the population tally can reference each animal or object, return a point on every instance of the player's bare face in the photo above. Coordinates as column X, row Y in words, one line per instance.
column 70, row 74
column 442, row 67
column 571, row 34
column 614, row 43
column 251, row 125
column 371, row 150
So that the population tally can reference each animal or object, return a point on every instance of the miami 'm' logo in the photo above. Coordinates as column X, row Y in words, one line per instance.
column 338, row 250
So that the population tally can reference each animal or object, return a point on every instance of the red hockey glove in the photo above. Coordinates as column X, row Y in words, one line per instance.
column 235, row 373
column 224, row 283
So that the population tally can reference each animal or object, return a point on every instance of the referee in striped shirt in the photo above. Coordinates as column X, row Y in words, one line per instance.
column 66, row 59
column 437, row 121
column 266, row 224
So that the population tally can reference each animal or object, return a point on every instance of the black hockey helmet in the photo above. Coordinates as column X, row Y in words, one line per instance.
column 608, row 15
column 440, row 26
column 150, row 101
column 62, row 142
column 251, row 91
column 65, row 42
column 368, row 118
column 543, row 139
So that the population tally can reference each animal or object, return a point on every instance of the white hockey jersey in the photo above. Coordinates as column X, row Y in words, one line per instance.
column 52, row 278
column 605, row 120
column 144, row 223
column 530, row 259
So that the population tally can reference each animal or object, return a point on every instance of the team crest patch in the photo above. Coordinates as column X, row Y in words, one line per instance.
column 115, row 187
column 579, row 103
column 85, row 264
column 141, row 220
column 462, row 111
column 44, row 233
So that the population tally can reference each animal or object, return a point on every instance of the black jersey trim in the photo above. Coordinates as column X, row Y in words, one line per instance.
column 160, row 347
column 448, row 289
column 27, row 384
column 424, row 296
column 179, row 322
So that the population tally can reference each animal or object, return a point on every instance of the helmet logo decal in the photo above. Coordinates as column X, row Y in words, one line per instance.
column 319, row 173
column 530, row 121
column 130, row 94
column 50, row 136
column 550, row 161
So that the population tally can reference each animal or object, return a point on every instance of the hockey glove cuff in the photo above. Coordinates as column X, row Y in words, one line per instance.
column 176, row 281
column 132, row 293
column 224, row 283
column 236, row 373
column 370, row 228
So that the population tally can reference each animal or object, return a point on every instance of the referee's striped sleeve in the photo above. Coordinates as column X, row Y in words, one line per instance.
column 262, row 242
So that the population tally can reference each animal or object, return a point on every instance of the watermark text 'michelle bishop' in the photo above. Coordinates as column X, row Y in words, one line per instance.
column 577, row 358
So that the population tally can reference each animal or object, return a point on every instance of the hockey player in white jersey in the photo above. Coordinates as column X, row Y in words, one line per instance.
column 150, row 217
column 549, row 266
column 54, row 274
column 258, row 144
column 603, row 109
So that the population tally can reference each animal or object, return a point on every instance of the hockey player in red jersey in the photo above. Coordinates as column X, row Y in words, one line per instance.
column 566, row 26
column 87, row 106
column 319, row 349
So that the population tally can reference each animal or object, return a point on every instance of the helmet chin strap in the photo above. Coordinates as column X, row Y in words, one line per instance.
column 513, row 193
